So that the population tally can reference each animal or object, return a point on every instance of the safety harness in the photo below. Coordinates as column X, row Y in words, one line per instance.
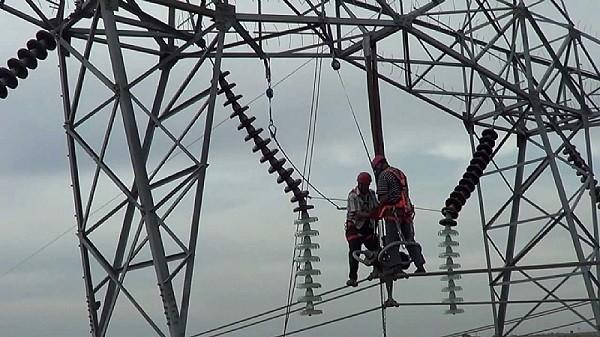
column 403, row 209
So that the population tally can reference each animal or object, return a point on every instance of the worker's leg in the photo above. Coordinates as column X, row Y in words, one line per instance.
column 353, row 245
column 415, row 251
column 372, row 241
column 392, row 235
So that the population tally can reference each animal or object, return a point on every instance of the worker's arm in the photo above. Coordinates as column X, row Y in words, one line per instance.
column 352, row 209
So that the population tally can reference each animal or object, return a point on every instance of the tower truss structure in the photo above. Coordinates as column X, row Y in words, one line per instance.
column 522, row 68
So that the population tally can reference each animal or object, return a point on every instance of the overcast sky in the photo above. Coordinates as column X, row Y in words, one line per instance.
column 246, row 233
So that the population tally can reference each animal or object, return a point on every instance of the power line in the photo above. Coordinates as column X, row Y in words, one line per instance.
column 441, row 273
column 314, row 326
column 362, row 138
column 49, row 243
column 331, row 321
column 281, row 314
column 38, row 251
column 514, row 320
column 558, row 327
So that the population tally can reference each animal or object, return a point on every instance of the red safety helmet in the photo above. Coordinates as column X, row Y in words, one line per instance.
column 376, row 160
column 364, row 178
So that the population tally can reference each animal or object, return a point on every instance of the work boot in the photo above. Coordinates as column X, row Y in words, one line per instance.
column 352, row 283
column 390, row 302
column 399, row 273
column 374, row 274
column 420, row 270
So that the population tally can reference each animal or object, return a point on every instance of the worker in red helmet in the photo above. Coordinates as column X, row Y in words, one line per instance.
column 396, row 209
column 360, row 227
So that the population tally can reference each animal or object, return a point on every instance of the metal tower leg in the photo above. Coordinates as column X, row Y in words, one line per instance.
column 141, row 175
column 512, row 233
column 223, row 27
column 370, row 51
column 79, row 214
column 537, row 110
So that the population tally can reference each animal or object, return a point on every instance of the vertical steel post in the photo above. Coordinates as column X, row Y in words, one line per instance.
column 79, row 214
column 512, row 231
column 141, row 175
column 537, row 110
column 370, row 51
column 223, row 27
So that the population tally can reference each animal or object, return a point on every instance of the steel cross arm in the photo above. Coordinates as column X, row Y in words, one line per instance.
column 406, row 89
column 362, row 5
column 317, row 32
column 149, row 263
column 555, row 60
column 77, row 16
column 249, row 40
column 467, row 61
column 123, row 45
column 534, row 58
column 283, row 18
column 402, row 22
column 39, row 12
column 268, row 36
column 24, row 16
column 185, row 7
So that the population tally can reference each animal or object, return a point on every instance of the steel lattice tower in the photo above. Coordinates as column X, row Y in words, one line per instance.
column 504, row 65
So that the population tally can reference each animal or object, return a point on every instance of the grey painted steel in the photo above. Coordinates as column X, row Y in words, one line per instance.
column 370, row 51
column 556, row 104
column 512, row 232
column 222, row 27
column 537, row 111
column 141, row 175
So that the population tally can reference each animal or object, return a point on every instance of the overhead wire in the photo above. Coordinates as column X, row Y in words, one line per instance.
column 332, row 291
column 354, row 117
column 307, row 165
column 558, row 327
column 514, row 320
column 578, row 302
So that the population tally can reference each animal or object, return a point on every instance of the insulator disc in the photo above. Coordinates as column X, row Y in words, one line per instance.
column 312, row 285
column 312, row 232
column 449, row 266
column 448, row 231
column 449, row 289
column 305, row 220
